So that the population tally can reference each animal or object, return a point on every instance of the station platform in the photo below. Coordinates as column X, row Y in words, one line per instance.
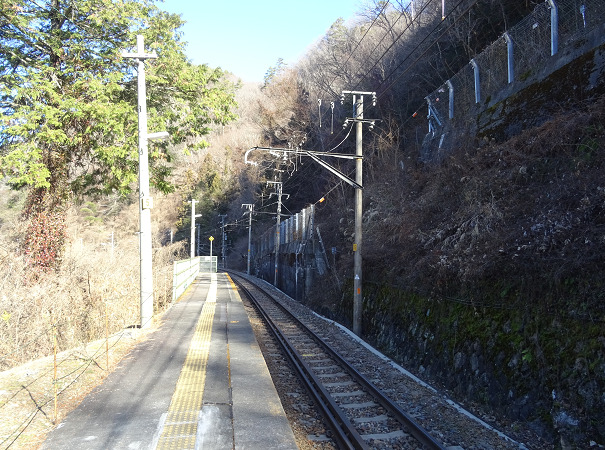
column 198, row 382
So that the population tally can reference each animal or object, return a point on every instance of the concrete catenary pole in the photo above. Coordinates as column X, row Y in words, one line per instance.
column 357, row 245
column 250, row 208
column 223, row 239
column 145, row 199
column 357, row 296
column 278, row 189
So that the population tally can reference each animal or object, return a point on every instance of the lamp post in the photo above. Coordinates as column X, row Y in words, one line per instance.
column 193, row 217
column 145, row 199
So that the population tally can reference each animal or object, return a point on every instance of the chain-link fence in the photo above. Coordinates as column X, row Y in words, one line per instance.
column 554, row 26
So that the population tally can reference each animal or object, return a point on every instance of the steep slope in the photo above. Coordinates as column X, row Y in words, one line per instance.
column 485, row 272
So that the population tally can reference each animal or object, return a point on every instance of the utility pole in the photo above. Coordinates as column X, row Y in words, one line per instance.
column 145, row 199
column 278, row 187
column 222, row 216
column 357, row 247
column 193, row 216
column 250, row 208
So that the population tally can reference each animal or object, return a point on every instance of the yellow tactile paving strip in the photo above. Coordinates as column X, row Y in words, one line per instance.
column 180, row 426
column 234, row 289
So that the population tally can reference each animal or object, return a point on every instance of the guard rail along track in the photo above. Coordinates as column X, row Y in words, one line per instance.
column 357, row 412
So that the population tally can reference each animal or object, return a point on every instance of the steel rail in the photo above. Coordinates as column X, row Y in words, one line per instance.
column 415, row 429
column 344, row 433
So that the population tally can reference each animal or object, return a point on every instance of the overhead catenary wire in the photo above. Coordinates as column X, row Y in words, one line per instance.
column 352, row 52
column 430, row 34
column 339, row 183
column 392, row 73
column 412, row 51
column 307, row 167
column 416, row 19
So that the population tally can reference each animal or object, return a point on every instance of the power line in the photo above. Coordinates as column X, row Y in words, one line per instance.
column 386, row 3
column 329, row 88
column 392, row 73
column 428, row 48
column 416, row 47
column 394, row 41
column 416, row 19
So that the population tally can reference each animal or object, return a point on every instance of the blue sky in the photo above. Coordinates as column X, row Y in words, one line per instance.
column 247, row 37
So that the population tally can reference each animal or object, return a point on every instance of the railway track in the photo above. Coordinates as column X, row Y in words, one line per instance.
column 359, row 414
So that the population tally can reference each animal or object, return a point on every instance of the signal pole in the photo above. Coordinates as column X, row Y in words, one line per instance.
column 145, row 199
column 278, row 187
column 250, row 208
column 357, row 246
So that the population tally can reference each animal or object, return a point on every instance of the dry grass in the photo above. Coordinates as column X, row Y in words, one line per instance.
column 85, row 310
column 94, row 291
column 27, row 392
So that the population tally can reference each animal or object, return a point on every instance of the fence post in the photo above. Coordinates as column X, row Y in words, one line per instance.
column 450, row 86
column 174, row 272
column 510, row 57
column 477, row 80
column 554, row 27
column 106, row 338
column 55, row 386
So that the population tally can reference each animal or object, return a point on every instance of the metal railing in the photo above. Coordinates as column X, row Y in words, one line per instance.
column 183, row 273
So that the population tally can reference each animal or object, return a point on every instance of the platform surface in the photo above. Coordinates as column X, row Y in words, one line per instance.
column 199, row 382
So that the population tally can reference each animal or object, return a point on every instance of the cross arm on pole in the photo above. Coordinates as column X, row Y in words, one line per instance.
column 354, row 93
column 298, row 151
column 139, row 55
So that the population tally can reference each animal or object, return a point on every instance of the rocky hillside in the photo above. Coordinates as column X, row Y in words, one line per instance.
column 484, row 271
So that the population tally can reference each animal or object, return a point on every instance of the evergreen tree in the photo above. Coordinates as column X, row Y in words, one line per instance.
column 68, row 119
